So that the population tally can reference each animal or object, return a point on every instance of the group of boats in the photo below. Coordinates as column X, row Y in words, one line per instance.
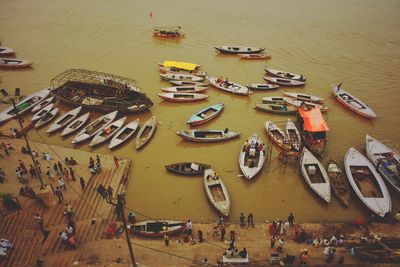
column 7, row 62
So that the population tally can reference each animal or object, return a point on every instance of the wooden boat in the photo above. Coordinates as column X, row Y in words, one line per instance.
column 293, row 135
column 284, row 82
column 179, row 65
column 42, row 104
column 75, row 124
column 315, row 175
column 184, row 89
column 353, row 103
column 304, row 97
column 207, row 136
column 124, row 134
column 107, row 132
column 157, row 228
column 174, row 70
column 182, row 97
column 380, row 253
column 94, row 127
column 310, row 105
column 146, row 132
column 385, row 159
column 238, row 49
column 228, row 86
column 188, row 168
column 206, row 114
column 252, row 156
column 14, row 63
column 339, row 183
column 367, row 183
column 6, row 51
column 277, row 135
column 254, row 56
column 274, row 100
column 99, row 91
column 168, row 32
column 286, row 75
column 41, row 112
column 46, row 118
column 64, row 120
column 262, row 86
column 181, row 77
column 277, row 109
column 179, row 83
column 216, row 192
column 24, row 105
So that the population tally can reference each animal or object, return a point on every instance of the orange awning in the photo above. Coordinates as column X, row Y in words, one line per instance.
column 313, row 120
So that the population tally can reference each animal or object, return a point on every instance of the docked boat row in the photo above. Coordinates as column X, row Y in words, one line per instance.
column 6, row 62
column 288, row 139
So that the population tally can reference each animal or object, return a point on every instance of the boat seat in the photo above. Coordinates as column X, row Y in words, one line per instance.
column 252, row 152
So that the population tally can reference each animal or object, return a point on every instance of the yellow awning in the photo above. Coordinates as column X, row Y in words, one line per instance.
column 180, row 65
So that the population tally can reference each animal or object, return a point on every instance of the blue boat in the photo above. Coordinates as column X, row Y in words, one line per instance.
column 206, row 114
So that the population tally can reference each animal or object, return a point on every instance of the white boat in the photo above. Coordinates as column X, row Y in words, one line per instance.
column 182, row 97
column 206, row 114
column 184, row 89
column 46, row 118
column 14, row 63
column 207, row 136
column 42, row 104
column 181, row 71
column 252, row 156
column 275, row 100
column 262, row 86
column 281, row 109
column 94, row 127
column 353, row 103
column 42, row 112
column 24, row 105
column 64, row 120
column 75, row 124
column 286, row 75
column 197, row 84
column 181, row 77
column 228, row 86
column 216, row 192
column 304, row 97
column 385, row 159
column 277, row 135
column 107, row 132
column 367, row 183
column 310, row 105
column 124, row 134
column 315, row 175
column 284, row 82
column 146, row 132
column 293, row 135
column 227, row 49
column 6, row 51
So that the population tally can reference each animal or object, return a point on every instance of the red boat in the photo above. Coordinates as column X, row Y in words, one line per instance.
column 154, row 228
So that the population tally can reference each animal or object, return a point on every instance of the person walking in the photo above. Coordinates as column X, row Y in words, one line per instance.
column 91, row 162
column 68, row 211
column 110, row 192
column 56, row 170
column 39, row 220
column 166, row 239
column 82, row 182
column 23, row 167
column 38, row 165
column 232, row 235
column 242, row 217
column 200, row 236
column 222, row 232
column 250, row 220
column 290, row 219
column 59, row 194
column 60, row 166
column 72, row 173
column 50, row 174
column 61, row 183
column 98, row 163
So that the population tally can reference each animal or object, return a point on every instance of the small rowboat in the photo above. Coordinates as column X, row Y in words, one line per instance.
column 207, row 136
column 367, row 183
column 206, row 114
column 284, row 82
column 42, row 104
column 6, row 51
column 24, row 105
column 124, row 134
column 339, row 183
column 238, row 49
column 182, row 97
column 304, row 97
column 310, row 105
column 286, row 75
column 293, row 135
column 262, row 86
column 277, row 109
column 252, row 156
column 75, row 124
column 168, row 32
column 385, row 159
column 146, row 132
column 41, row 112
column 94, row 127
column 14, row 63
column 254, row 56
column 197, row 84
column 157, row 228
column 315, row 175
column 188, row 168
column 216, row 192
column 230, row 87
column 275, row 100
column 181, row 77
column 46, row 118
column 184, row 89
column 107, row 132
column 277, row 135
column 64, row 120
column 352, row 103
column 181, row 71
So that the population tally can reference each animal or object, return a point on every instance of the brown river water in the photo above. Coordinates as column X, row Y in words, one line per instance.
column 354, row 42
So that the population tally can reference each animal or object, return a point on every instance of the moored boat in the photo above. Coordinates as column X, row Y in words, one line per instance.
column 254, row 56
column 124, row 134
column 277, row 135
column 107, row 132
column 285, row 74
column 252, row 156
column 284, row 82
column 207, row 136
column 75, row 124
column 206, row 114
column 216, row 192
column 168, row 32
column 64, row 120
column 42, row 104
column 179, row 65
column 367, row 183
column 304, row 97
column 6, row 51
column 315, row 175
column 157, row 228
column 228, row 86
column 146, row 132
column 239, row 49
column 14, row 63
column 46, row 118
column 277, row 109
column 339, row 183
column 42, row 112
column 274, row 100
column 309, row 105
column 262, row 86
column 293, row 135
column 184, row 89
column 181, row 77
column 174, row 70
column 182, row 97
column 197, row 84
column 188, row 168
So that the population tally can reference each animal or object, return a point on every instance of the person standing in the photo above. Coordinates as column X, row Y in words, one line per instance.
column 66, row 174
column 91, row 162
column 200, row 236
column 68, row 211
column 250, row 220
column 242, row 223
column 98, row 163
column 189, row 227
column 110, row 192
column 290, row 219
column 60, row 166
column 23, row 167
column 82, row 182
column 61, row 183
column 49, row 174
column 72, row 173
column 166, row 239
column 40, row 222
column 222, row 232
column 59, row 194
column 232, row 235
column 55, row 167
column 38, row 165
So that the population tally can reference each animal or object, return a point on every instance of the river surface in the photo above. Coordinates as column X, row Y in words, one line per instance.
column 354, row 42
